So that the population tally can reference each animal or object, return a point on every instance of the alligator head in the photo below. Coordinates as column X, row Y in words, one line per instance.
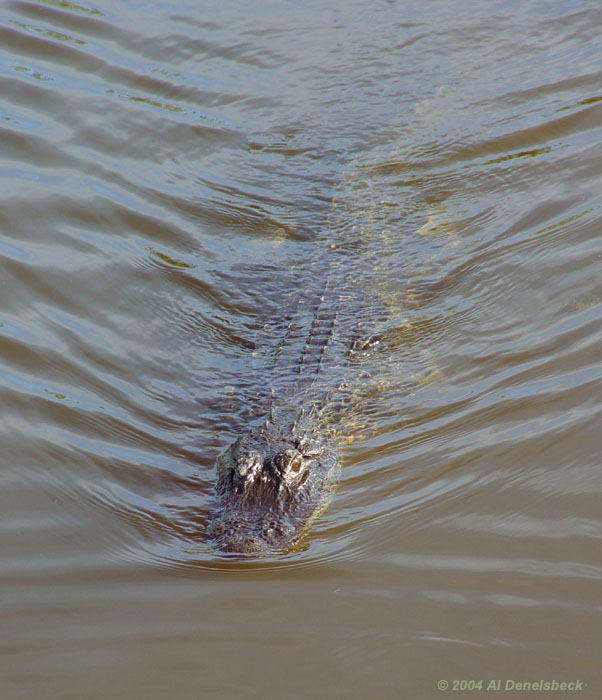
column 271, row 482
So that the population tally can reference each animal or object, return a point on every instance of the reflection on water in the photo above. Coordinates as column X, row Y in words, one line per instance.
column 176, row 184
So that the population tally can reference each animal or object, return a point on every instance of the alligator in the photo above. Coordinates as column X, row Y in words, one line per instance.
column 277, row 477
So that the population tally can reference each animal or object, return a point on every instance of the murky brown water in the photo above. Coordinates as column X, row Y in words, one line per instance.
column 168, row 174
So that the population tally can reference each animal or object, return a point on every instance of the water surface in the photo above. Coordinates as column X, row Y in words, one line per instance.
column 176, row 180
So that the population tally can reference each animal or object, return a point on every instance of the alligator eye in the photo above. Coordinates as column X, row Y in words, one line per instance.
column 296, row 464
